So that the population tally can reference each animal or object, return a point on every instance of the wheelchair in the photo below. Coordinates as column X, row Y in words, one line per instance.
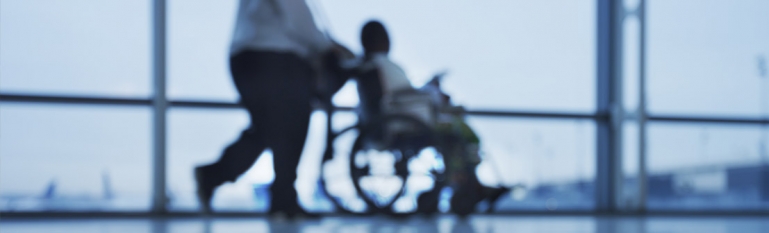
column 416, row 138
column 404, row 144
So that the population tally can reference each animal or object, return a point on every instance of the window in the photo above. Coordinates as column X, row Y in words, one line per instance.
column 552, row 161
column 516, row 45
column 199, row 34
column 706, row 68
column 708, row 58
column 81, row 48
column 74, row 158
column 707, row 166
column 77, row 123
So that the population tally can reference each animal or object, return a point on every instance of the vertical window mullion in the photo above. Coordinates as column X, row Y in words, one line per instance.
column 642, row 110
column 160, row 104
column 609, row 104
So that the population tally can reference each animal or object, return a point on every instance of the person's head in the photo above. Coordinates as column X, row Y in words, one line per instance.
column 374, row 38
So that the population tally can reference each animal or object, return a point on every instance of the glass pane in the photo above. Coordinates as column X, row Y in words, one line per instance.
column 628, row 199
column 630, row 63
column 199, row 34
column 79, row 47
column 708, row 57
column 199, row 136
column 553, row 161
column 72, row 157
column 708, row 166
column 499, row 54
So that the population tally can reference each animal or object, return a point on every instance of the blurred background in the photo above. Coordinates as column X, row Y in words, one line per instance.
column 107, row 105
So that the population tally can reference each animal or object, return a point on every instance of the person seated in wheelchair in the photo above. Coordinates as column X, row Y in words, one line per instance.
column 377, row 76
column 384, row 89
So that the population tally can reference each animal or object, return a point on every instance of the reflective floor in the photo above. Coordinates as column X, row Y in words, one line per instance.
column 481, row 223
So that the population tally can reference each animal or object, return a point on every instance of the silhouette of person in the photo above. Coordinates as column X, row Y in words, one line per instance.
column 377, row 75
column 273, row 44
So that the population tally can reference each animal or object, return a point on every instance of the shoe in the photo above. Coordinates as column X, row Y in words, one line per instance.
column 427, row 202
column 492, row 195
column 302, row 215
column 297, row 214
column 205, row 190
column 466, row 197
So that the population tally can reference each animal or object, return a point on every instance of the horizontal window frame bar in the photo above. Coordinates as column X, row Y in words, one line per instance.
column 111, row 101
column 204, row 104
column 598, row 116
column 232, row 105
column 695, row 119
column 74, row 100
column 534, row 114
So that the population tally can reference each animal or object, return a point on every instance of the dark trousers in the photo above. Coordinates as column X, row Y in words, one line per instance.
column 276, row 89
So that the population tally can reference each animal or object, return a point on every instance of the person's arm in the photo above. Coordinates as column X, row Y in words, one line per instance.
column 301, row 25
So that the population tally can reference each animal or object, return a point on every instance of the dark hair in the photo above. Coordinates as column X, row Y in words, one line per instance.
column 374, row 37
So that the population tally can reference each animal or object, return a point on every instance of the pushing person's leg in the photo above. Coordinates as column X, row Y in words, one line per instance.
column 289, row 120
column 236, row 160
column 286, row 154
column 238, row 157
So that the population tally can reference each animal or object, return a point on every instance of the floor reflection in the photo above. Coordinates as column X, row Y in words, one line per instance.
column 421, row 224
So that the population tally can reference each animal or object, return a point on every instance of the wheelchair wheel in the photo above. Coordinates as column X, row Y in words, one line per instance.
column 380, row 159
column 335, row 180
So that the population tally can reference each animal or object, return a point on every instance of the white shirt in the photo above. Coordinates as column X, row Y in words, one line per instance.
column 393, row 78
column 277, row 25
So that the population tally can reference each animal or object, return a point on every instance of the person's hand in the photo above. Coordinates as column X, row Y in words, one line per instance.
column 333, row 74
column 338, row 59
column 342, row 52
